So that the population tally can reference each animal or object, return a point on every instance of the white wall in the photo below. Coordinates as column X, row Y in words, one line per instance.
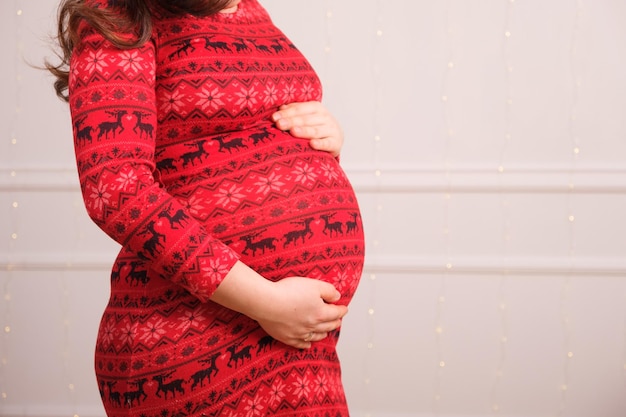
column 487, row 142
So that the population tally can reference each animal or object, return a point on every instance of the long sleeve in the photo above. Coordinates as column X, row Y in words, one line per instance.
column 113, row 109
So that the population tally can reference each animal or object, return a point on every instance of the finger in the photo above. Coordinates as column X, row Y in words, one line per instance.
column 309, row 132
column 325, row 144
column 309, row 339
column 328, row 292
column 319, row 336
column 301, row 108
column 300, row 112
column 307, row 120
column 328, row 326
column 305, row 341
column 331, row 318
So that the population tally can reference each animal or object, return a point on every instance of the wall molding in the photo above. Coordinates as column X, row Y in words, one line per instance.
column 392, row 265
column 390, row 180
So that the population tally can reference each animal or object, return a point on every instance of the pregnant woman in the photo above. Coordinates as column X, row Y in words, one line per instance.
column 203, row 148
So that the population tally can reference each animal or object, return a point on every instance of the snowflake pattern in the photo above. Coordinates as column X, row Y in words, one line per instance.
column 172, row 102
column 193, row 319
column 107, row 332
column 341, row 278
column 129, row 333
column 210, row 98
column 271, row 95
column 126, row 180
column 253, row 407
column 308, row 91
column 272, row 182
column 247, row 98
column 131, row 61
column 229, row 195
column 289, row 92
column 96, row 61
column 329, row 171
column 321, row 385
column 277, row 392
column 194, row 205
column 99, row 196
column 301, row 386
column 304, row 173
column 215, row 269
column 153, row 331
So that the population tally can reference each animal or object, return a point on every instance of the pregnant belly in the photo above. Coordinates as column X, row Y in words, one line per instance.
column 287, row 209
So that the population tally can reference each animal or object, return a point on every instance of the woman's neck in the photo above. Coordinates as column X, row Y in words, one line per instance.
column 232, row 8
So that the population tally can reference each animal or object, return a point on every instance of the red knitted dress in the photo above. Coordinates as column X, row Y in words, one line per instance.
column 180, row 163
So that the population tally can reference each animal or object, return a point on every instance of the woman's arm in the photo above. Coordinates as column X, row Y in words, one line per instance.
column 113, row 109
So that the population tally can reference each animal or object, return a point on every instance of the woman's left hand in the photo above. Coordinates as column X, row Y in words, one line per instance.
column 311, row 120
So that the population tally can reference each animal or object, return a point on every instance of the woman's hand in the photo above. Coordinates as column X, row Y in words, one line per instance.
column 294, row 310
column 300, row 312
column 311, row 120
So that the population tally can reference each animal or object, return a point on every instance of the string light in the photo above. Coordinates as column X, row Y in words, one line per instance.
column 13, row 221
column 375, row 228
column 571, row 216
column 66, row 331
column 448, row 133
column 502, row 307
column 66, row 313
column 328, row 47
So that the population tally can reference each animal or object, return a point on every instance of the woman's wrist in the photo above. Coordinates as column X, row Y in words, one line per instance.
column 245, row 291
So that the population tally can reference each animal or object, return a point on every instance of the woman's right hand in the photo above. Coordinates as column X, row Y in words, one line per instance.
column 301, row 311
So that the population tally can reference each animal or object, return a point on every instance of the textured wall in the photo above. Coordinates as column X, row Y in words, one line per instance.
column 486, row 141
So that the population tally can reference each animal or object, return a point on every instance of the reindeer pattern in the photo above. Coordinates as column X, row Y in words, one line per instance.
column 171, row 385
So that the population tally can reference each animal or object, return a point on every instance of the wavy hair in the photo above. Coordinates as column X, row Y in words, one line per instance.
column 115, row 23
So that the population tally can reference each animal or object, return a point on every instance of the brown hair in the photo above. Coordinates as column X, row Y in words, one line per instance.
column 115, row 23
